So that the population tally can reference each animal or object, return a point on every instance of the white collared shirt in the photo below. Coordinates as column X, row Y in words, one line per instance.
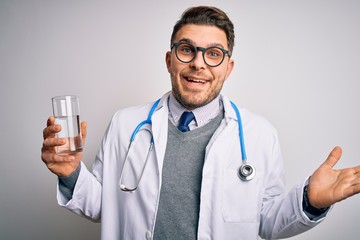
column 203, row 114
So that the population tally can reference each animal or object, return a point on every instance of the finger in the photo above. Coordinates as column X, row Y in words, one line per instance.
column 333, row 157
column 51, row 130
column 353, row 189
column 51, row 157
column 50, row 121
column 50, row 143
column 357, row 170
column 356, row 180
column 63, row 158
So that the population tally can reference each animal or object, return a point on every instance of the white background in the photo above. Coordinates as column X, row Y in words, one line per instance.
column 297, row 64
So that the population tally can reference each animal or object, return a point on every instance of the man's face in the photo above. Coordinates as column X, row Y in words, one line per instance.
column 195, row 84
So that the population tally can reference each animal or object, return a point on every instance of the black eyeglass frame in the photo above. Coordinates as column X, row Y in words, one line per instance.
column 176, row 45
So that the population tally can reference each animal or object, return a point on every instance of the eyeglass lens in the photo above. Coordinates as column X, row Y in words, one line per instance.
column 213, row 56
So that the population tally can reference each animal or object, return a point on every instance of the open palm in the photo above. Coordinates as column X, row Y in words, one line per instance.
column 328, row 186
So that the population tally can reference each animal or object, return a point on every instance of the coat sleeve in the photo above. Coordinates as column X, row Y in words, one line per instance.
column 86, row 199
column 87, row 195
column 282, row 214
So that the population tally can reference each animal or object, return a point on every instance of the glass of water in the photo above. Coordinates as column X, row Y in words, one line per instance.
column 67, row 114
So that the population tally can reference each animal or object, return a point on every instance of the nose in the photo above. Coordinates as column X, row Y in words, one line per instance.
column 198, row 62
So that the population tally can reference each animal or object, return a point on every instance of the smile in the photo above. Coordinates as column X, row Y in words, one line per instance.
column 195, row 80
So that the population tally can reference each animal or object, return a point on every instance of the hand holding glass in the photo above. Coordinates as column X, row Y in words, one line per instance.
column 67, row 114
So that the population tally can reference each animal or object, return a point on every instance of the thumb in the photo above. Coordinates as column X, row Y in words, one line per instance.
column 333, row 157
column 83, row 132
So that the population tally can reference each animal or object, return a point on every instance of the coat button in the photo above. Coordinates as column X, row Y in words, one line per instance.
column 148, row 235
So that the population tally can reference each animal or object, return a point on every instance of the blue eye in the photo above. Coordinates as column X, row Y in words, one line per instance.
column 214, row 53
column 186, row 49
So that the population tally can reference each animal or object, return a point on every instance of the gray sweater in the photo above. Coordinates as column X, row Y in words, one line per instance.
column 178, row 211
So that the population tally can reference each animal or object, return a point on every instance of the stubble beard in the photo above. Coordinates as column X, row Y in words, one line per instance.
column 191, row 102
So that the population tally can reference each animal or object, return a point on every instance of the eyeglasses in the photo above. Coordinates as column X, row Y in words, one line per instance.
column 186, row 52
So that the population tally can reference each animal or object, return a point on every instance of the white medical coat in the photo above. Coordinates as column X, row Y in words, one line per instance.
column 229, row 207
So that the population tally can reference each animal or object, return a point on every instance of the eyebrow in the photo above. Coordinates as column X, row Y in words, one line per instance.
column 208, row 45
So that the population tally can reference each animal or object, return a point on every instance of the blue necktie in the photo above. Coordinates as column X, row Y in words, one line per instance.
column 185, row 119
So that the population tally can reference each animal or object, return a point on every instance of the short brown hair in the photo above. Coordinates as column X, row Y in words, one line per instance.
column 206, row 15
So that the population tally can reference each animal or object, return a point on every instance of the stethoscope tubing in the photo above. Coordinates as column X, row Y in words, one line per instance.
column 241, row 132
column 246, row 171
column 147, row 121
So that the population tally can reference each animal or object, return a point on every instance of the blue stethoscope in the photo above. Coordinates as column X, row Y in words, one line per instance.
column 246, row 171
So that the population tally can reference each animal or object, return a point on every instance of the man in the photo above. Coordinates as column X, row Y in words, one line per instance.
column 188, row 186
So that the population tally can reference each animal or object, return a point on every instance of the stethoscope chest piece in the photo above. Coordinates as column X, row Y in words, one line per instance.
column 246, row 172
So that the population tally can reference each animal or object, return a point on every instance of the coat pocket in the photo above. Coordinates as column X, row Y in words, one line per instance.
column 241, row 200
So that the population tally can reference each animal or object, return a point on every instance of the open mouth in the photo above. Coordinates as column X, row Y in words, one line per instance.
column 189, row 79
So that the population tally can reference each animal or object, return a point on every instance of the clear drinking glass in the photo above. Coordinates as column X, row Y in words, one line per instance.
column 67, row 113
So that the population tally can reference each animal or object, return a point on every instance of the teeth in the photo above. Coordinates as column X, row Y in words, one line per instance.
column 195, row 80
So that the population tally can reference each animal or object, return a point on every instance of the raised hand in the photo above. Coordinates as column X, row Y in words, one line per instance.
column 61, row 165
column 328, row 186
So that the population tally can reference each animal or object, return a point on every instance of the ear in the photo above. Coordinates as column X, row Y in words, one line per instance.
column 230, row 67
column 168, row 60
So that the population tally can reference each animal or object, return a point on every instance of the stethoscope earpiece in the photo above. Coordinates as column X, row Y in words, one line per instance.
column 246, row 172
